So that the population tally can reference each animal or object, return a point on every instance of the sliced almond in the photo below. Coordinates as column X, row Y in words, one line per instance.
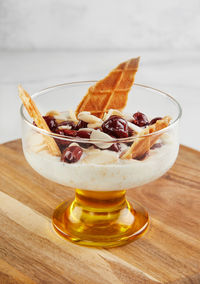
column 87, row 129
column 52, row 113
column 87, row 117
column 73, row 144
column 65, row 127
column 73, row 115
column 94, row 125
column 63, row 116
column 112, row 112
column 67, row 115
column 98, row 135
column 100, row 157
column 128, row 116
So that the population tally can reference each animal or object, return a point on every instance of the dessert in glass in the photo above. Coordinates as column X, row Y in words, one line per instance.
column 100, row 153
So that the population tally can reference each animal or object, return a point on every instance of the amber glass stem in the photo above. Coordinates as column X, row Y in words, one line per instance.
column 100, row 201
column 97, row 208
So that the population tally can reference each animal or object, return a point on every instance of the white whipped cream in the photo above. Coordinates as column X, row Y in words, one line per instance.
column 91, row 173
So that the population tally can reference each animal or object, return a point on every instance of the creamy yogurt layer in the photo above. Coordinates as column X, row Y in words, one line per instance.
column 115, row 175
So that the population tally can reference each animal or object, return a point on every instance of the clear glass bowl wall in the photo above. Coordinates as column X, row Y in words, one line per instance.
column 107, row 177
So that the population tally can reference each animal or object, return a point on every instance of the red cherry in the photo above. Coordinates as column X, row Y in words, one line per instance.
column 62, row 143
column 84, row 134
column 116, row 147
column 69, row 132
column 66, row 132
column 142, row 157
column 154, row 120
column 71, row 154
column 51, row 122
column 140, row 119
column 131, row 132
column 156, row 145
column 81, row 124
column 116, row 126
column 67, row 122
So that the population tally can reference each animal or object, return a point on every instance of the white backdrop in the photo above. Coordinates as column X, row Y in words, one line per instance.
column 99, row 24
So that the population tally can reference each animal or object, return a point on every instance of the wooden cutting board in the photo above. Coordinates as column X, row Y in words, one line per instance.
column 31, row 252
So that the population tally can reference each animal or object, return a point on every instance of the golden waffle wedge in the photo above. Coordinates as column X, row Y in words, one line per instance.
column 39, row 120
column 112, row 91
column 143, row 144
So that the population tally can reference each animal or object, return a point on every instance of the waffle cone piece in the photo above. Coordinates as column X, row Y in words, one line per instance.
column 112, row 91
column 39, row 120
column 143, row 144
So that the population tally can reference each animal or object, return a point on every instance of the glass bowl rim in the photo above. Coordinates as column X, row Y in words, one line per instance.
column 114, row 140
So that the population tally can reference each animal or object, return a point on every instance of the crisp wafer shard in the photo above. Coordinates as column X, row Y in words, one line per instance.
column 143, row 144
column 39, row 120
column 112, row 91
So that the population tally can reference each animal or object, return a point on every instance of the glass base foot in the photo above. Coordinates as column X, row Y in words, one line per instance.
column 100, row 219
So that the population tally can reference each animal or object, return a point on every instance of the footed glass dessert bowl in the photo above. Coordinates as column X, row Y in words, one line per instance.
column 93, row 160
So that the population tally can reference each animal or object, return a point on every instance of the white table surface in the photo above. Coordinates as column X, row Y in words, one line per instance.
column 176, row 73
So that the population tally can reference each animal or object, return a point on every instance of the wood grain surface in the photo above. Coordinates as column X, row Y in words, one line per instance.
column 31, row 252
